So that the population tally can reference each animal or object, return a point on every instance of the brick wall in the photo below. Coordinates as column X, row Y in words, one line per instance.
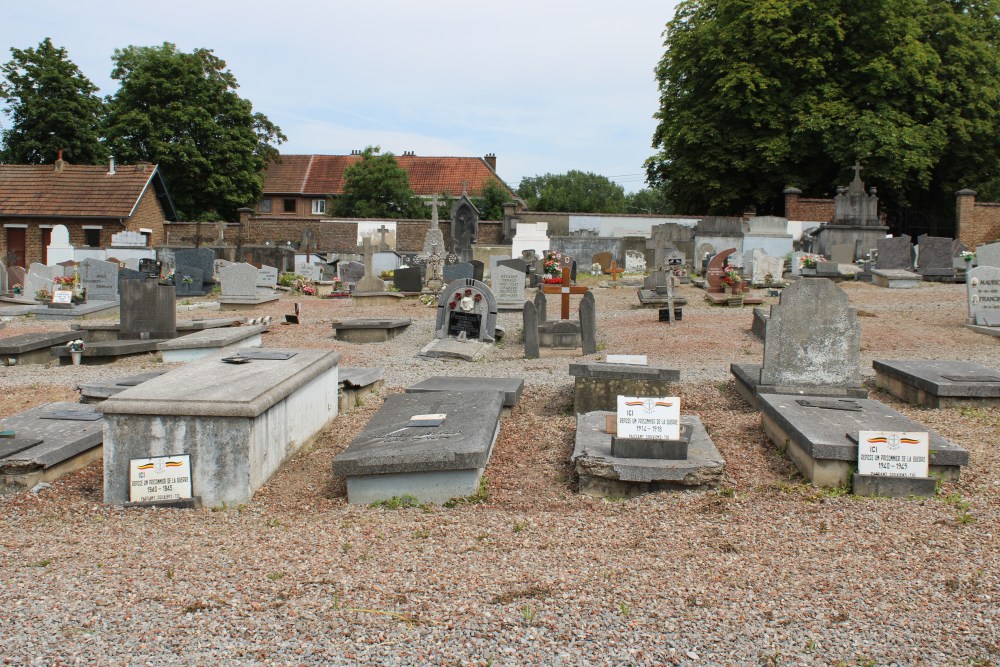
column 34, row 250
column 805, row 209
column 148, row 215
column 975, row 222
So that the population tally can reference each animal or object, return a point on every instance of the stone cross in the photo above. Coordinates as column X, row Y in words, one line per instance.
column 433, row 203
column 614, row 271
column 857, row 169
column 366, row 248
column 220, row 230
column 565, row 289
column 382, row 231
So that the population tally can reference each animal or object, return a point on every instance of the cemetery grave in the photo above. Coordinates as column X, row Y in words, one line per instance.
column 465, row 323
column 356, row 384
column 983, row 298
column 239, row 288
column 200, row 343
column 510, row 387
column 562, row 336
column 98, row 390
column 369, row 289
column 939, row 384
column 32, row 348
column 369, row 330
column 597, row 385
column 49, row 441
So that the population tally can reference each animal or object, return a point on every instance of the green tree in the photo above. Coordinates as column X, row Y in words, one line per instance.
column 756, row 96
column 377, row 187
column 181, row 111
column 490, row 200
column 574, row 192
column 52, row 106
column 649, row 200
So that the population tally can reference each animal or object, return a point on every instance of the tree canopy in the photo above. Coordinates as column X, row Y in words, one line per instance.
column 181, row 111
column 377, row 187
column 575, row 192
column 756, row 96
column 52, row 106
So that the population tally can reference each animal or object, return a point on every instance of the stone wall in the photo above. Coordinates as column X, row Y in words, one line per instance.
column 812, row 210
column 975, row 222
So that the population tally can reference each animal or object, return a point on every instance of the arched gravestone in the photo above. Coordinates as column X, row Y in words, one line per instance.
column 467, row 306
column 714, row 273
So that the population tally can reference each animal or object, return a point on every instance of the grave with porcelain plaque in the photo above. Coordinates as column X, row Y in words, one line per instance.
column 644, row 446
column 819, row 434
column 983, row 293
column 432, row 446
column 939, row 384
column 466, row 321
column 237, row 433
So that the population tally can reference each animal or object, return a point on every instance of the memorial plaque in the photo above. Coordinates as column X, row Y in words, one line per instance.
column 159, row 478
column 62, row 296
column 508, row 285
column 649, row 418
column 150, row 269
column 983, row 285
column 893, row 453
column 470, row 323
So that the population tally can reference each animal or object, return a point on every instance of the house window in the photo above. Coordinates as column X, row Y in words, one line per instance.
column 264, row 206
column 92, row 237
column 319, row 206
column 289, row 206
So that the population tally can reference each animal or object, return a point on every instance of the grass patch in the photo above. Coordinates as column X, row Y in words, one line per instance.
column 481, row 495
column 405, row 501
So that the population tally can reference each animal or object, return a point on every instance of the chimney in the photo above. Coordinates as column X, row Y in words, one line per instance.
column 111, row 166
column 491, row 159
column 60, row 163
column 142, row 167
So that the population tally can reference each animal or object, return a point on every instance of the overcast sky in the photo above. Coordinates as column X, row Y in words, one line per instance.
column 547, row 86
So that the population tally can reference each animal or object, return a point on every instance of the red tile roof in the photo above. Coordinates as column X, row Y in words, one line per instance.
column 320, row 175
column 78, row 191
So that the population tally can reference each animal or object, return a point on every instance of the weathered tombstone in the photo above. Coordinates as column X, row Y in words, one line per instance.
column 370, row 283
column 934, row 259
column 983, row 286
column 199, row 258
column 477, row 269
column 464, row 227
column 460, row 271
column 541, row 307
column 308, row 270
column 842, row 253
column 188, row 281
column 604, row 259
column 59, row 248
column 988, row 254
column 895, row 253
column 33, row 282
column 148, row 310
column 239, row 280
column 508, row 286
column 100, row 278
column 351, row 272
column 515, row 263
column 713, row 274
column 635, row 262
column 467, row 310
column 434, row 237
column 530, row 331
column 588, row 323
column 267, row 276
column 150, row 269
column 409, row 279
column 765, row 268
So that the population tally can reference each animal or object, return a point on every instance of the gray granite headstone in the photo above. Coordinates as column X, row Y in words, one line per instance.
column 239, row 280
column 148, row 310
column 351, row 272
column 477, row 269
column 267, row 276
column 199, row 258
column 408, row 279
column 541, row 306
column 895, row 253
column 812, row 338
column 508, row 286
column 588, row 323
column 515, row 263
column 189, row 281
column 935, row 255
column 34, row 282
column 842, row 253
column 100, row 278
column 530, row 331
column 988, row 254
column 983, row 286
column 460, row 271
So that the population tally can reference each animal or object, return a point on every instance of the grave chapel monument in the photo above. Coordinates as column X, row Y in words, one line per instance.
column 855, row 220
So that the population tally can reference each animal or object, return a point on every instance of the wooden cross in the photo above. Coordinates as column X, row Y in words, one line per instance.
column 614, row 271
column 565, row 289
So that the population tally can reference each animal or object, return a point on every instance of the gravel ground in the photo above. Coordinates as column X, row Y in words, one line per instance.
column 768, row 571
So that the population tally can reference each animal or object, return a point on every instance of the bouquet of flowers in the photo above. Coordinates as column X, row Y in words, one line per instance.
column 596, row 269
column 552, row 280
column 76, row 345
column 552, row 264
column 731, row 276
column 808, row 261
column 65, row 282
column 968, row 255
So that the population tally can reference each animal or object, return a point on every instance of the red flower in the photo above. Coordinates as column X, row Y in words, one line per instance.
column 468, row 292
column 479, row 297
column 452, row 305
column 458, row 295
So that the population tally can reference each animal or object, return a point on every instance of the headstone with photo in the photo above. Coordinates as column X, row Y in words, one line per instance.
column 466, row 321
column 151, row 269
column 983, row 288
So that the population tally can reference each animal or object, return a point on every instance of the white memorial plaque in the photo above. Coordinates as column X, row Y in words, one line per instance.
column 160, row 478
column 62, row 296
column 893, row 454
column 649, row 418
column 634, row 359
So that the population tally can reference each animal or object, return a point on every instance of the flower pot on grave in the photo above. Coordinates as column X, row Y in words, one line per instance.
column 77, row 356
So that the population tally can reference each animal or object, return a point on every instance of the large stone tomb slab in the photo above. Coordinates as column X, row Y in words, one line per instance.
column 433, row 464
column 604, row 475
column 78, row 311
column 33, row 348
column 200, row 343
column 356, row 384
column 62, row 438
column 99, row 390
column 939, row 384
column 369, row 330
column 511, row 387
column 238, row 422
column 820, row 436
column 109, row 330
column 106, row 352
column 896, row 278
column 598, row 385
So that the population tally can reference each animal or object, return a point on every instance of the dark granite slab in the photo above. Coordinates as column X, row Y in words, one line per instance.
column 60, row 438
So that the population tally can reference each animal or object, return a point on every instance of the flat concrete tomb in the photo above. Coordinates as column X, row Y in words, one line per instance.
column 200, row 343
column 109, row 351
column 896, row 278
column 392, row 457
column 81, row 311
column 603, row 474
column 247, row 302
column 598, row 384
column 939, row 384
column 511, row 387
column 98, row 331
column 50, row 441
column 238, row 422
column 99, row 390
column 33, row 348
column 362, row 330
column 749, row 387
column 356, row 384
column 819, row 435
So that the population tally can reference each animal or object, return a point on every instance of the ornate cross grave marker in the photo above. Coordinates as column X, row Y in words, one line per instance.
column 565, row 289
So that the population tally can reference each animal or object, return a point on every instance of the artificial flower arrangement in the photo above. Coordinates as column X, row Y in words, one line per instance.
column 17, row 288
column 731, row 276
column 552, row 264
column 43, row 295
column 968, row 255
column 808, row 261
column 552, row 280
column 76, row 345
column 187, row 280
column 596, row 269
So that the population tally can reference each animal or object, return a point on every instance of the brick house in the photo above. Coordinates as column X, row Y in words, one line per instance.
column 300, row 185
column 93, row 202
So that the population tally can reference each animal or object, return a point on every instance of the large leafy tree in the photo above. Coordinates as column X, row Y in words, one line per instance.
column 575, row 192
column 377, row 187
column 755, row 96
column 648, row 201
column 181, row 110
column 52, row 106
column 490, row 200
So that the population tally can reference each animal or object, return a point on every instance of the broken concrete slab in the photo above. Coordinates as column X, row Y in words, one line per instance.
column 70, row 437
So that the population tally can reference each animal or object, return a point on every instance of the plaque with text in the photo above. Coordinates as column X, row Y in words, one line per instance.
column 649, row 418
column 893, row 453
column 160, row 478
